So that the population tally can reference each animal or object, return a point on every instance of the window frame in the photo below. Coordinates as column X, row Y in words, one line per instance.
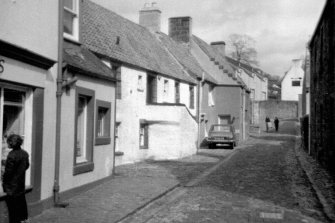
column 177, row 92
column 88, row 166
column 145, row 127
column 75, row 22
column 106, row 139
column 152, row 87
column 191, row 89
column 211, row 102
column 296, row 81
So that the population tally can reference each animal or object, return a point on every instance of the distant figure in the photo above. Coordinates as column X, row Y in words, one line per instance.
column 13, row 182
column 276, row 121
column 267, row 122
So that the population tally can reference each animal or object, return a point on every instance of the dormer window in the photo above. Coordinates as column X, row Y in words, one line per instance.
column 71, row 19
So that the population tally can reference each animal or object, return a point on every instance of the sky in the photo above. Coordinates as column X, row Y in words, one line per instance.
column 281, row 28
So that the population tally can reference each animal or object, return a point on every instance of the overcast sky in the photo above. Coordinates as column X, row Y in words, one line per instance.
column 281, row 28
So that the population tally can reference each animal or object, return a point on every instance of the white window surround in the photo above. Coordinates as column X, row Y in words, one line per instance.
column 75, row 22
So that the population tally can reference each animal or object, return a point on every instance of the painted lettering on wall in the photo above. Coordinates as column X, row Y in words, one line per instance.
column 1, row 65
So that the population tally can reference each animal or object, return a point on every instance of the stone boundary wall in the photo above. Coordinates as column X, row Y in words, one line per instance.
column 272, row 109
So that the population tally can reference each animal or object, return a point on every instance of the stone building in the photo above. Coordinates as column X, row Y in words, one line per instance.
column 322, row 94
column 291, row 82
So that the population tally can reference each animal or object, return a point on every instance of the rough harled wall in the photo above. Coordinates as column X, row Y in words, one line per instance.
column 322, row 85
column 272, row 109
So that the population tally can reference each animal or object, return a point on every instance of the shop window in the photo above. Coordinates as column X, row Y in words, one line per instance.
column 71, row 19
column 83, row 160
column 144, row 136
column 16, row 118
column 103, row 123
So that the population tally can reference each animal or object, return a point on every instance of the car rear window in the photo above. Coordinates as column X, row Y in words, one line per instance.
column 220, row 128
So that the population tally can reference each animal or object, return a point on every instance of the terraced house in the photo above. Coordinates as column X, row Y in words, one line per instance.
column 156, row 96
column 59, row 97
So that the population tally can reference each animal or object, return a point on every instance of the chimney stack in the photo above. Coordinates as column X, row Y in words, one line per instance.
column 150, row 17
column 180, row 29
column 220, row 46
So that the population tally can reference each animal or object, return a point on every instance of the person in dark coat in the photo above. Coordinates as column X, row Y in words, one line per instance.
column 276, row 121
column 14, row 180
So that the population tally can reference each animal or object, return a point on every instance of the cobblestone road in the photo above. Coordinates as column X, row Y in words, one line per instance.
column 262, row 182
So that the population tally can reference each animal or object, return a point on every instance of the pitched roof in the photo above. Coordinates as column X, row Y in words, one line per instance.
column 109, row 34
column 82, row 60
column 247, row 68
column 182, row 53
column 212, row 54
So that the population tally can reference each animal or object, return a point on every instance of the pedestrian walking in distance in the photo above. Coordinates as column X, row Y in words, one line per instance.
column 276, row 121
column 267, row 123
column 14, row 180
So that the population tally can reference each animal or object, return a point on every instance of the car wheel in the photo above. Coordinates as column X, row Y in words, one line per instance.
column 232, row 146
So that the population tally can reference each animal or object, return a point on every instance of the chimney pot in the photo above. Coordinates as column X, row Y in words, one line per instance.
column 150, row 17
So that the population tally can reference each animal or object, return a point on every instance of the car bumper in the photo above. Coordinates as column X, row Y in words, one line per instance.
column 223, row 141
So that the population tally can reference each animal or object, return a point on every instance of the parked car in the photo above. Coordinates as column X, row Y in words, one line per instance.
column 221, row 134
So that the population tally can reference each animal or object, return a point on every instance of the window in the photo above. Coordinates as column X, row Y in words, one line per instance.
column 83, row 152
column 210, row 96
column 116, row 135
column 152, row 89
column 103, row 123
column 177, row 92
column 144, row 136
column 71, row 19
column 191, row 97
column 252, row 94
column 15, row 118
column 296, row 83
column 140, row 83
column 117, row 71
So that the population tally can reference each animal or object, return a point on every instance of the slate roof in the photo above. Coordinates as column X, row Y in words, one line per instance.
column 107, row 33
column 212, row 53
column 80, row 59
column 247, row 68
column 182, row 53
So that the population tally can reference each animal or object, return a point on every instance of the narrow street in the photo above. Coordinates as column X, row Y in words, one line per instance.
column 262, row 182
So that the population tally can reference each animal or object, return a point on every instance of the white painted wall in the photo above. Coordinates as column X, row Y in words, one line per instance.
column 102, row 154
column 255, row 82
column 174, row 133
column 29, row 24
column 289, row 92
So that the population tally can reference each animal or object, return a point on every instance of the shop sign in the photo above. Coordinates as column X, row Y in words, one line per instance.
column 2, row 61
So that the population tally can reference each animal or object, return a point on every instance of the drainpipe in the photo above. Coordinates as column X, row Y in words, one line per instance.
column 115, row 99
column 57, row 202
column 199, row 102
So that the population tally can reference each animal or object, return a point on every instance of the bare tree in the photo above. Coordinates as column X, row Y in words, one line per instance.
column 242, row 49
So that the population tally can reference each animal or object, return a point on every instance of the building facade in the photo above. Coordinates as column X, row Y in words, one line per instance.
column 64, row 111
column 291, row 83
column 322, row 100
column 156, row 97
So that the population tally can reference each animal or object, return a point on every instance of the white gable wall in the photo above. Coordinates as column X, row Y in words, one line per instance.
column 172, row 130
column 289, row 92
